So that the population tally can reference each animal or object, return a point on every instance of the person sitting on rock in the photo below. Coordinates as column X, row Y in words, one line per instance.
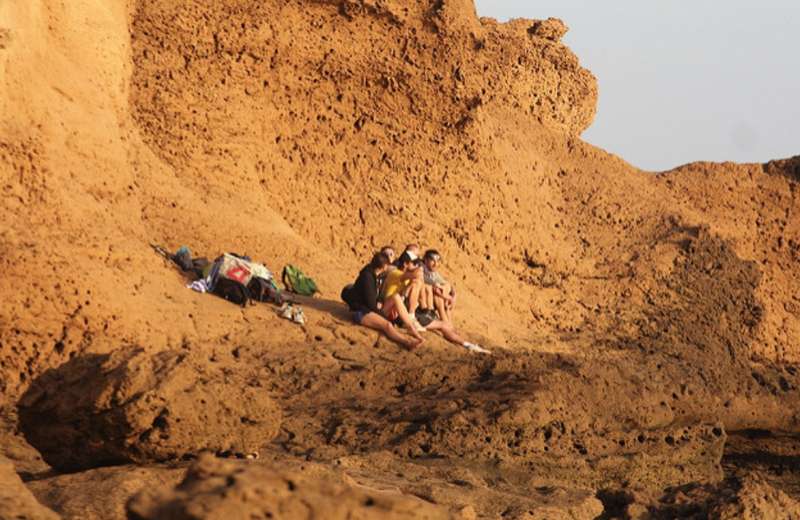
column 362, row 299
column 401, row 292
column 437, row 289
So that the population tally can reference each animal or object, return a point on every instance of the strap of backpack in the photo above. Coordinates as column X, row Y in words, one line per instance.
column 285, row 279
column 247, row 296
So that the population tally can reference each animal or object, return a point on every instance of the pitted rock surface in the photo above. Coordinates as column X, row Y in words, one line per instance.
column 216, row 490
column 639, row 320
column 17, row 502
column 133, row 406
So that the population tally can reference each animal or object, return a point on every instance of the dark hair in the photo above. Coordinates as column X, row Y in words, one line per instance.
column 404, row 259
column 379, row 261
column 430, row 254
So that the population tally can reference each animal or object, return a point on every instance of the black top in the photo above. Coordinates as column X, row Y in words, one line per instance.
column 365, row 292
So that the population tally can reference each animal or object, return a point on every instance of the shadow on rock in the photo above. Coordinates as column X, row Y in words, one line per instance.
column 544, row 417
column 133, row 406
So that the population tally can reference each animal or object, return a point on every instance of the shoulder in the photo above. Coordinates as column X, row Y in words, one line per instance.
column 394, row 274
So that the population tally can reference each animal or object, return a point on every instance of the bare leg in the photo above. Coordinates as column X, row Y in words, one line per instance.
column 426, row 300
column 441, row 308
column 447, row 330
column 446, row 290
column 423, row 297
column 414, row 291
column 377, row 322
column 396, row 303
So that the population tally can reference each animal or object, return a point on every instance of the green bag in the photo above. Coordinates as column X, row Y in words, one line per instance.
column 297, row 282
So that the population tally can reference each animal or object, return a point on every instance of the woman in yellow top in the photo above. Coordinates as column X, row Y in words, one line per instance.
column 403, row 283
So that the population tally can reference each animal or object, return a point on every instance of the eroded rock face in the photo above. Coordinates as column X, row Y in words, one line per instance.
column 748, row 497
column 16, row 502
column 5, row 38
column 217, row 489
column 440, row 68
column 788, row 167
column 756, row 499
column 101, row 494
column 550, row 29
column 251, row 124
column 132, row 406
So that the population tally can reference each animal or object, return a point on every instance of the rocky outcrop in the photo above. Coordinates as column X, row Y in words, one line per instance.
column 100, row 494
column 133, row 406
column 755, row 499
column 636, row 319
column 550, row 29
column 17, row 502
column 215, row 489
column 750, row 497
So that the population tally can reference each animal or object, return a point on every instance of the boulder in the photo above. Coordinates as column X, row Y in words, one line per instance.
column 133, row 406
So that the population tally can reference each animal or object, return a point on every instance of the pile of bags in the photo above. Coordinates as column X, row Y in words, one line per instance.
column 240, row 280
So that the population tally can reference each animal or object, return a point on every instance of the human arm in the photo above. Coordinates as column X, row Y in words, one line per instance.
column 368, row 288
column 415, row 273
column 446, row 292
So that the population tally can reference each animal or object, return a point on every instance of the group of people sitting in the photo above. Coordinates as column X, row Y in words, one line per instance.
column 407, row 291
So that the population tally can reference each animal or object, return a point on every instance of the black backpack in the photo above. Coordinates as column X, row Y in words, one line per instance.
column 263, row 290
column 232, row 291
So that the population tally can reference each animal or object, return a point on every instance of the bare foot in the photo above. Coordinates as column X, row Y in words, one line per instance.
column 413, row 344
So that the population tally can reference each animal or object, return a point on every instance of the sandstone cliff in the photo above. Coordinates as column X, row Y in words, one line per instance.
column 638, row 318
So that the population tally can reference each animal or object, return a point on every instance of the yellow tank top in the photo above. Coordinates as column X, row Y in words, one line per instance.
column 394, row 283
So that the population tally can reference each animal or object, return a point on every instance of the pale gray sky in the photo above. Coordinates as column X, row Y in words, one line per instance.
column 681, row 80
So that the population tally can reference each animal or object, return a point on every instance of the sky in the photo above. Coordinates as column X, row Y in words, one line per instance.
column 683, row 81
